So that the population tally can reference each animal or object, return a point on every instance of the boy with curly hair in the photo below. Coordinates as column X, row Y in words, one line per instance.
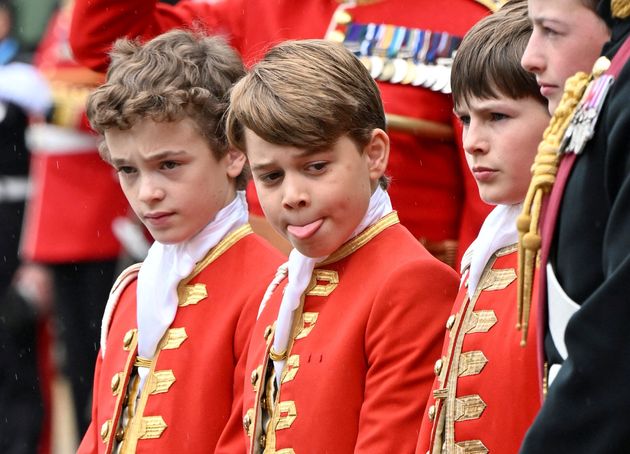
column 176, row 327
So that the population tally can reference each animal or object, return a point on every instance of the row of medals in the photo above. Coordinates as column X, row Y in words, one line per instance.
column 434, row 75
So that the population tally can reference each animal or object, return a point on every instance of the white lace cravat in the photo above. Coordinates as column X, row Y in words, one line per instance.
column 164, row 268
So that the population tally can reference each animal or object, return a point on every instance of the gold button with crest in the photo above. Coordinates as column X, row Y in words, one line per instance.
column 105, row 430
column 431, row 412
column 247, row 421
column 116, row 383
column 254, row 377
column 437, row 368
column 120, row 434
column 128, row 339
column 450, row 322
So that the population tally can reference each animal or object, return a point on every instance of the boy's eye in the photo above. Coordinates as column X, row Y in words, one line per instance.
column 316, row 167
column 270, row 178
column 464, row 119
column 127, row 170
column 496, row 116
column 549, row 31
column 169, row 165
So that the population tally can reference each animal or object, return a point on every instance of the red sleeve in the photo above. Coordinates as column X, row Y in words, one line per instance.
column 404, row 336
column 96, row 24
column 91, row 438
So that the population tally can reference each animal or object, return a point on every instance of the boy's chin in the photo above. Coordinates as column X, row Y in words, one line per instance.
column 312, row 252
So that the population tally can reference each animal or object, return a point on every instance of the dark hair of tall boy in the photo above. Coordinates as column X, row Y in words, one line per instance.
column 488, row 62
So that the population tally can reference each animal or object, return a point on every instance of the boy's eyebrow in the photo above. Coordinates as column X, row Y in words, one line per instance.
column 261, row 167
column 300, row 154
column 540, row 19
column 457, row 112
column 160, row 156
column 167, row 154
column 487, row 105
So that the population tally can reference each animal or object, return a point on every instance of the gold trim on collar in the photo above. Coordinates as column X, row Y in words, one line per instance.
column 226, row 243
column 362, row 239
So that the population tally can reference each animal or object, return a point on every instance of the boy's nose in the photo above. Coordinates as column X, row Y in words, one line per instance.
column 295, row 195
column 473, row 140
column 149, row 190
column 532, row 60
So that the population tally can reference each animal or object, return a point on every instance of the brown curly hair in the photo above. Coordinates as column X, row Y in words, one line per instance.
column 176, row 75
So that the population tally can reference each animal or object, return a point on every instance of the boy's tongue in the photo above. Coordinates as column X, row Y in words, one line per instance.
column 304, row 231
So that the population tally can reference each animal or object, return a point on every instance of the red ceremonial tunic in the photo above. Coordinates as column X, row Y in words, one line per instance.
column 486, row 393
column 432, row 190
column 360, row 358
column 193, row 394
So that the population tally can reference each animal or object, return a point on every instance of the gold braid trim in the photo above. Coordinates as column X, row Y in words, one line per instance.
column 543, row 177
column 620, row 8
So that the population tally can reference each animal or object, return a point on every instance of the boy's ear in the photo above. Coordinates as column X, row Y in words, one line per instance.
column 377, row 153
column 235, row 162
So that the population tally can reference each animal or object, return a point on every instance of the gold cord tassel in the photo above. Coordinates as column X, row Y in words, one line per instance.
column 544, row 172
column 620, row 8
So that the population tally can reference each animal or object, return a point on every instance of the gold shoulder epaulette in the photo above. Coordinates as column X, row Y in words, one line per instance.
column 492, row 5
column 543, row 177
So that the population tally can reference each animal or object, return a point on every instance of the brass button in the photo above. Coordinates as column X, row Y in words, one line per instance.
column 254, row 377
column 247, row 421
column 120, row 434
column 128, row 339
column 105, row 430
column 431, row 412
column 450, row 322
column 262, row 441
column 267, row 332
column 115, row 383
column 336, row 36
column 342, row 17
column 601, row 66
column 437, row 368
